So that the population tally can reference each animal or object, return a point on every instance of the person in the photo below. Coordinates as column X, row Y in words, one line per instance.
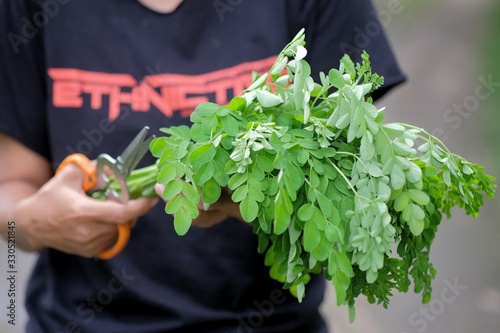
column 86, row 76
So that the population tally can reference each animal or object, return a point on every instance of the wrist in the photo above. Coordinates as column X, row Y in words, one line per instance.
column 18, row 225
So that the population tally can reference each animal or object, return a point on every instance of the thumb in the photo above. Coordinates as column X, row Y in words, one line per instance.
column 116, row 212
column 141, row 206
column 159, row 188
column 71, row 175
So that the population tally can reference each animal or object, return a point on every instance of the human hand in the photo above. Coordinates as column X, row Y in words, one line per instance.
column 60, row 215
column 216, row 213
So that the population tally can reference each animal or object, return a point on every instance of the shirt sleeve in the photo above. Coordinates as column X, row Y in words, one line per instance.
column 338, row 27
column 22, row 78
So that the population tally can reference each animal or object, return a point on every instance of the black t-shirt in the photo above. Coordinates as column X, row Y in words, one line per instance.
column 86, row 76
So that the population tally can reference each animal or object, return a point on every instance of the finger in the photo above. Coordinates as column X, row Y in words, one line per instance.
column 209, row 218
column 139, row 207
column 71, row 175
column 159, row 189
column 116, row 212
column 132, row 223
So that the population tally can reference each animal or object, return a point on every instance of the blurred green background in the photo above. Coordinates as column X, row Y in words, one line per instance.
column 447, row 49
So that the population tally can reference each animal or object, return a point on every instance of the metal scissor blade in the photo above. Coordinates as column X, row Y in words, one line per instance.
column 141, row 151
column 134, row 152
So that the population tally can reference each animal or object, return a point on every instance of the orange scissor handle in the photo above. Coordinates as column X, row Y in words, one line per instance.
column 89, row 182
column 121, row 242
column 87, row 167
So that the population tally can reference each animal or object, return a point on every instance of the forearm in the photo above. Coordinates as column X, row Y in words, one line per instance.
column 12, row 193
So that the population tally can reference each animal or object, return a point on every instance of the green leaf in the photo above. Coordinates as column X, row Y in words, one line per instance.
column 302, row 157
column 352, row 313
column 384, row 192
column 173, row 205
column 237, row 104
column 371, row 276
column 277, row 145
column 401, row 201
column 312, row 236
column 407, row 213
column 320, row 220
column 180, row 169
column 348, row 65
column 268, row 99
column 282, row 218
column 240, row 194
column 203, row 110
column 343, row 121
column 367, row 148
column 416, row 226
column 340, row 283
column 179, row 152
column 211, row 191
column 301, row 52
column 342, row 186
column 190, row 207
column 220, row 175
column 447, row 177
column 256, row 193
column 394, row 130
column 204, row 173
column 237, row 179
column 209, row 123
column 375, row 170
column 325, row 204
column 259, row 82
column 398, row 178
column 417, row 212
column 182, row 222
column 343, row 263
column 279, row 65
column 166, row 174
column 157, row 146
column 414, row 173
column 285, row 199
column 203, row 154
column 322, row 251
column 173, row 188
column 336, row 78
column 294, row 232
column 222, row 112
column 282, row 213
column 419, row 197
column 257, row 173
column 293, row 177
column 401, row 148
column 272, row 187
column 265, row 163
column 467, row 170
column 249, row 209
column 190, row 192
column 301, row 290
column 306, row 212
column 199, row 133
column 230, row 125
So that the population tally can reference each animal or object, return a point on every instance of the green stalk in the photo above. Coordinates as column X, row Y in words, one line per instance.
column 140, row 184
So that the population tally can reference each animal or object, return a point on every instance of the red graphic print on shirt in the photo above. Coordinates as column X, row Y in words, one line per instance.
column 168, row 93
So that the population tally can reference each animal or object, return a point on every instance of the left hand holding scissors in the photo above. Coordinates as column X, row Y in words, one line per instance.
column 96, row 176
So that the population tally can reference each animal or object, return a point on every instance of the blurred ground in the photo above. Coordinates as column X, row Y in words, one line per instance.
column 445, row 48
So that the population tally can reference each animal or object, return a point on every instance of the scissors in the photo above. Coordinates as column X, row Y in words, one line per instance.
column 95, row 179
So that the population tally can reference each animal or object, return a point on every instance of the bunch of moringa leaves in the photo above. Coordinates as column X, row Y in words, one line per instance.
column 327, row 186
